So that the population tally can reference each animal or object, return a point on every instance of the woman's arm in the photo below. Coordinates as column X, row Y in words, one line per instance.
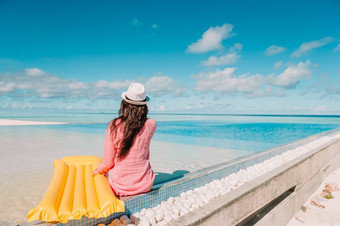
column 108, row 154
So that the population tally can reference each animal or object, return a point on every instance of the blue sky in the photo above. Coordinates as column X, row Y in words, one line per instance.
column 257, row 57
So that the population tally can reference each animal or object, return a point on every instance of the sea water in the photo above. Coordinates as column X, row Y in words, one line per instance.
column 181, row 144
column 250, row 133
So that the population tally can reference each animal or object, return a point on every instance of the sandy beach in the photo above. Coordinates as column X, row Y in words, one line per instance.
column 11, row 122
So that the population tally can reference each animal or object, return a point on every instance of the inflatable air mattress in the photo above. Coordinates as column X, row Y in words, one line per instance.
column 74, row 192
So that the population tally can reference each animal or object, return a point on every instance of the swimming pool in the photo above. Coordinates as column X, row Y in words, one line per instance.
column 181, row 144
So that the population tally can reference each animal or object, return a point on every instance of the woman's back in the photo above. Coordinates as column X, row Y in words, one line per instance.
column 133, row 174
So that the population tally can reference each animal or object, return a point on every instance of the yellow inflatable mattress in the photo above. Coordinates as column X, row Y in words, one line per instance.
column 74, row 192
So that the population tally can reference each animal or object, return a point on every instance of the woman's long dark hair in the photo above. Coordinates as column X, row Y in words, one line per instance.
column 133, row 118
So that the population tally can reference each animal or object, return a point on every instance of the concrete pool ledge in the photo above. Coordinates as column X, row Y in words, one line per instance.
column 302, row 176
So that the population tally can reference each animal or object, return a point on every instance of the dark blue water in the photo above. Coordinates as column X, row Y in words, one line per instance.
column 255, row 136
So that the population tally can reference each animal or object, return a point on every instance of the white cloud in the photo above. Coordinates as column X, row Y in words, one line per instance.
column 34, row 72
column 293, row 74
column 7, row 87
column 211, row 39
column 278, row 64
column 34, row 83
column 229, row 58
column 154, row 26
column 236, row 47
column 309, row 46
column 337, row 48
column 227, row 81
column 112, row 85
column 162, row 84
column 252, row 85
column 274, row 49
column 77, row 85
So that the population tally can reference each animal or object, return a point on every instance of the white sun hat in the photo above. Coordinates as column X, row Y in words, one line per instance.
column 135, row 94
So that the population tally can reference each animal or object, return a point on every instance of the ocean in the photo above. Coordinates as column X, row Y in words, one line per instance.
column 238, row 132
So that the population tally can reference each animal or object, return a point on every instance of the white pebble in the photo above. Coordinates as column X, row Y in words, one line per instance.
column 177, row 199
column 149, row 212
column 186, row 205
column 176, row 210
column 168, row 218
column 189, row 193
column 166, row 209
column 162, row 223
column 175, row 216
column 171, row 200
column 143, row 211
column 192, row 200
column 164, row 203
column 157, row 208
column 194, row 206
column 183, row 212
column 144, row 221
column 178, row 204
column 217, row 193
column 183, row 196
column 151, row 219
column 159, row 216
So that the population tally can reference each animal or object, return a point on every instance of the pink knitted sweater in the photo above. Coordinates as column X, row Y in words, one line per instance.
column 133, row 174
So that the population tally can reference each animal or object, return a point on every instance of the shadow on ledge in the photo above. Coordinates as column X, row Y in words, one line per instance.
column 162, row 178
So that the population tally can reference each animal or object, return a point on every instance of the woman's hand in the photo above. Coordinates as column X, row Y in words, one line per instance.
column 97, row 171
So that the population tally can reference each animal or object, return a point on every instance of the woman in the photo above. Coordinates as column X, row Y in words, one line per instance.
column 127, row 144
